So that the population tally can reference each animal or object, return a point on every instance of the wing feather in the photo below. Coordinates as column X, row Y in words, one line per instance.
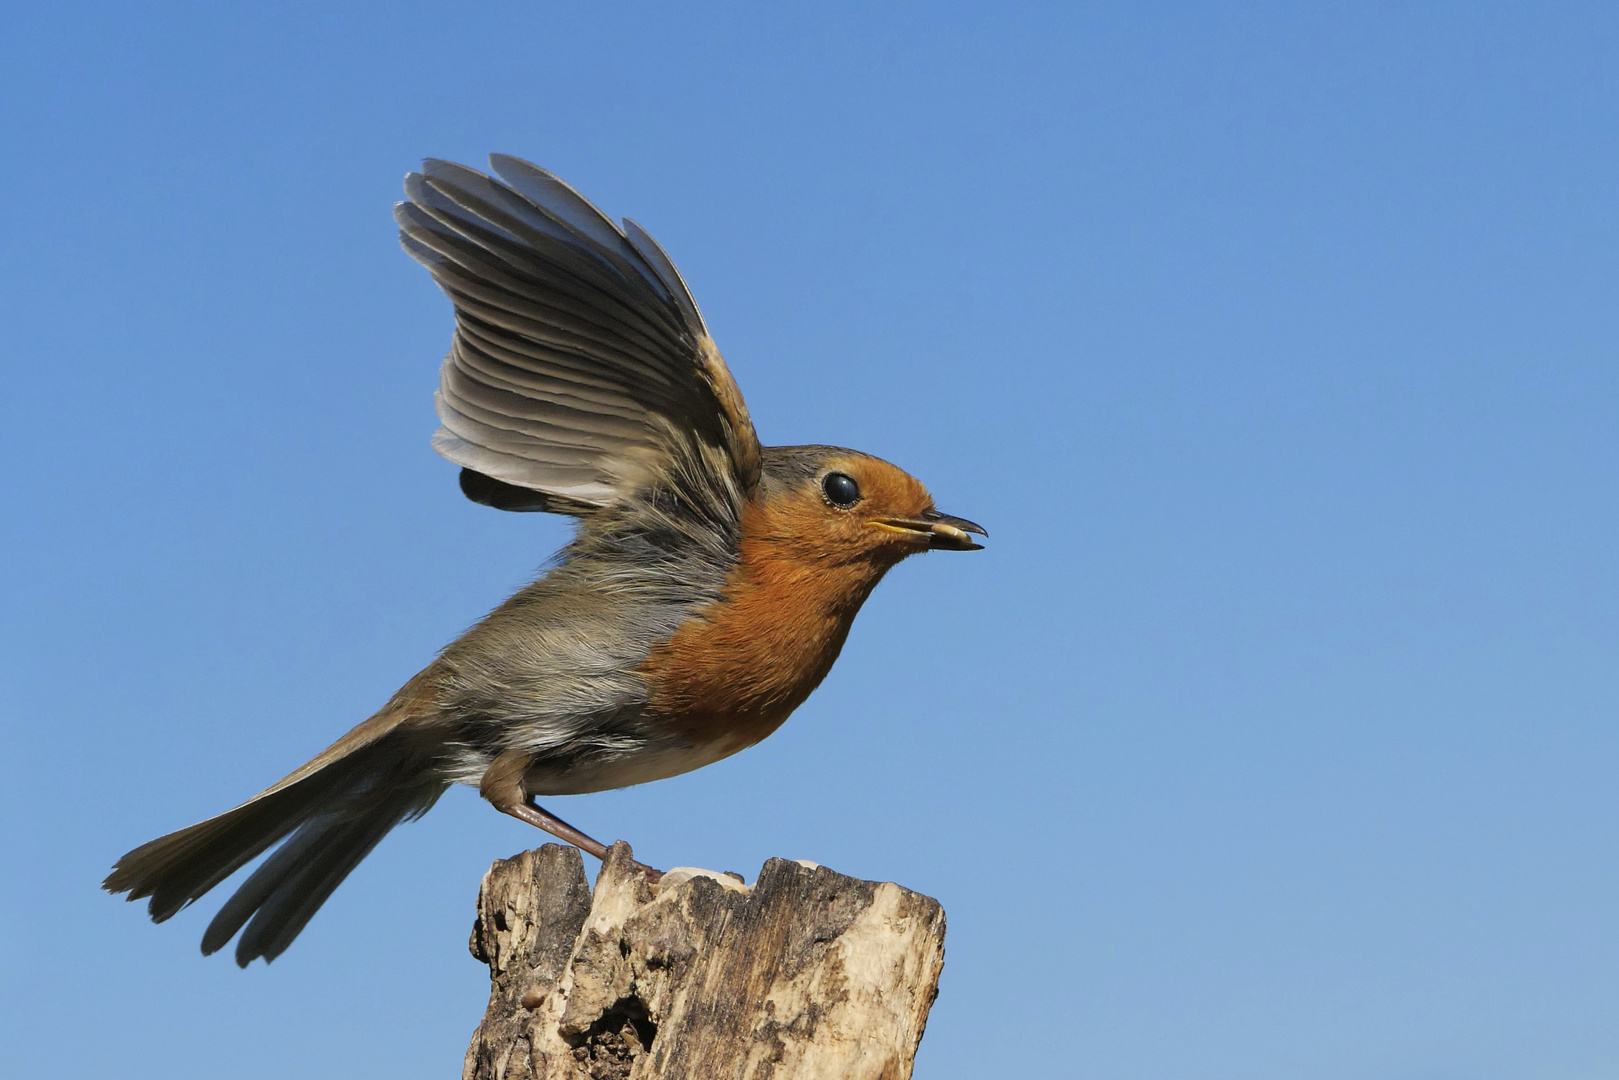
column 533, row 416
column 578, row 214
column 664, row 267
column 579, row 353
column 491, row 366
column 474, row 268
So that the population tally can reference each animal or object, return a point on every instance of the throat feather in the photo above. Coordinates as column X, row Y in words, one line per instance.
column 739, row 666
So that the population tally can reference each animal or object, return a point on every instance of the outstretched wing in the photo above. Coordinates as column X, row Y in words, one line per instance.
column 579, row 355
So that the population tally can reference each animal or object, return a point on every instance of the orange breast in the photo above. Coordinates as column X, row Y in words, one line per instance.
column 740, row 666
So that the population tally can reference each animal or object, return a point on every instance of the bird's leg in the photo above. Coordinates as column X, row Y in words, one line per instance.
column 502, row 785
column 543, row 819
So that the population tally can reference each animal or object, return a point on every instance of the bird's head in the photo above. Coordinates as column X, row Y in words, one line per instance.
column 830, row 504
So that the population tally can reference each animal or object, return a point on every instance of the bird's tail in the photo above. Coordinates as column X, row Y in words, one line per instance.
column 335, row 809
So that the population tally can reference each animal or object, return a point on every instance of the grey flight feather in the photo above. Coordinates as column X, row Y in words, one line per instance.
column 579, row 353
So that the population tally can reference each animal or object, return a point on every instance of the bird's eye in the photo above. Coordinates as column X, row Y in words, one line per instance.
column 841, row 490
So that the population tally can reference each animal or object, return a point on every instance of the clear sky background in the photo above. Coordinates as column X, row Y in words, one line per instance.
column 1273, row 736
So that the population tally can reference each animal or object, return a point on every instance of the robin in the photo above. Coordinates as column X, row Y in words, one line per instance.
column 709, row 588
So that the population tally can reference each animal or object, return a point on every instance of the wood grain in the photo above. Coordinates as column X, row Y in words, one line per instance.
column 807, row 974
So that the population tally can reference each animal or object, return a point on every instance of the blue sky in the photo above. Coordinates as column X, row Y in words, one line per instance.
column 1273, row 736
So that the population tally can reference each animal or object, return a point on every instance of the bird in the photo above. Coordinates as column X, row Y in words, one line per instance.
column 708, row 589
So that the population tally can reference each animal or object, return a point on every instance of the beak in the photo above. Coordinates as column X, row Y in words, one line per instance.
column 941, row 531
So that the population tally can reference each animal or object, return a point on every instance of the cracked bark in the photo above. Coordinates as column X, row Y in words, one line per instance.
column 808, row 974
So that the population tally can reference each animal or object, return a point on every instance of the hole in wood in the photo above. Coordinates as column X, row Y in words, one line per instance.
column 608, row 1048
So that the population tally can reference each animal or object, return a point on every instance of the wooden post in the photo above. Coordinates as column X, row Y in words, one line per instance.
column 806, row 975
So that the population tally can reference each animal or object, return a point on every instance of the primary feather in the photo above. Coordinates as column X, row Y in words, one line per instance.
column 578, row 347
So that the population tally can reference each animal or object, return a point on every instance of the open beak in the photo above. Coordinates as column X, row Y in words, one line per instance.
column 941, row 531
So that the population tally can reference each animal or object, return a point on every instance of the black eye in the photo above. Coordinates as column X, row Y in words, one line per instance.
column 841, row 490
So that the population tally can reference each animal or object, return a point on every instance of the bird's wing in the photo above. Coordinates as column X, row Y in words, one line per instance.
column 579, row 355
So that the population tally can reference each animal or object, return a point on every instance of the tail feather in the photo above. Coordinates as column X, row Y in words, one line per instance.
column 177, row 869
column 288, row 892
column 264, row 881
column 336, row 809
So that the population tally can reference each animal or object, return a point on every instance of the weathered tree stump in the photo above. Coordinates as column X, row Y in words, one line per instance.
column 807, row 974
